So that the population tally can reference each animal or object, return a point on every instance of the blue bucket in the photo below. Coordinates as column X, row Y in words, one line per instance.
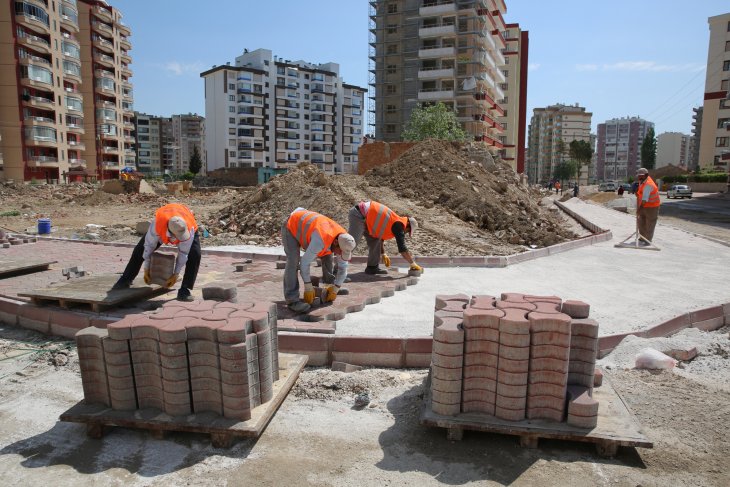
column 44, row 226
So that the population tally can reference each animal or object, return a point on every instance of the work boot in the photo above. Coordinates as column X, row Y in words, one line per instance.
column 183, row 294
column 298, row 306
column 121, row 284
column 375, row 270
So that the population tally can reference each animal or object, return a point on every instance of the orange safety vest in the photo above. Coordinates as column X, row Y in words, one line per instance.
column 302, row 223
column 380, row 220
column 162, row 218
column 654, row 200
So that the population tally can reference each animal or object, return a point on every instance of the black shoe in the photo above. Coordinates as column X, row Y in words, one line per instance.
column 375, row 271
column 299, row 306
column 121, row 284
column 184, row 295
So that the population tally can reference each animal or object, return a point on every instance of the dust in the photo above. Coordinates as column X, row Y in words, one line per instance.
column 327, row 385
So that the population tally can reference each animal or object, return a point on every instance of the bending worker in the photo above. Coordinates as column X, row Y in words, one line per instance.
column 174, row 224
column 379, row 223
column 647, row 205
column 320, row 237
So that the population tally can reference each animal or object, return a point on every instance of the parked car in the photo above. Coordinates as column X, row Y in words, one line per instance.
column 679, row 191
column 607, row 187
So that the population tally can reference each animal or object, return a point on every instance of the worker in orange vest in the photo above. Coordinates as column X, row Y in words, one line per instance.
column 321, row 237
column 174, row 224
column 647, row 205
column 379, row 223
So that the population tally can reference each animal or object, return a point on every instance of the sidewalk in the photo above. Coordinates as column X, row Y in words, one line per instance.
column 627, row 289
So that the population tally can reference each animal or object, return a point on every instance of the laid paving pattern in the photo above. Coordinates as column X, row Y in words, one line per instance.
column 514, row 358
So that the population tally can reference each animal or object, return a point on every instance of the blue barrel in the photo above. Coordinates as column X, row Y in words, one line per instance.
column 44, row 226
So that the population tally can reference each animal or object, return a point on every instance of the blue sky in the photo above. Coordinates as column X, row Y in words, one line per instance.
column 642, row 58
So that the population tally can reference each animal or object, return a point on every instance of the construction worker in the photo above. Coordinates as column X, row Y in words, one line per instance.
column 174, row 224
column 379, row 223
column 647, row 205
column 321, row 237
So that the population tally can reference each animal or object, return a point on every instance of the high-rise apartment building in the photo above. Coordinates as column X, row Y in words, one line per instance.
column 672, row 148
column 150, row 143
column 618, row 150
column 551, row 131
column 714, row 150
column 694, row 155
column 66, row 91
column 430, row 51
column 188, row 132
column 270, row 112
column 514, row 103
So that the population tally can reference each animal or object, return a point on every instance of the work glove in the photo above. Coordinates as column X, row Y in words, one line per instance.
column 172, row 280
column 385, row 260
column 308, row 293
column 416, row 267
column 331, row 293
column 147, row 277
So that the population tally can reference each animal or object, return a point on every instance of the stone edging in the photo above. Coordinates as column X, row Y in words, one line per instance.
column 322, row 349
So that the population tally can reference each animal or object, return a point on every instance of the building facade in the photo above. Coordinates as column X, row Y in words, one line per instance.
column 430, row 51
column 514, row 103
column 672, row 148
column 67, row 95
column 714, row 150
column 550, row 133
column 618, row 150
column 150, row 143
column 694, row 154
column 275, row 113
column 188, row 132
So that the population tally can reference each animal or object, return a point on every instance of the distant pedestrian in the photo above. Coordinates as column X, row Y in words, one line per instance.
column 575, row 190
column 620, row 190
column 557, row 187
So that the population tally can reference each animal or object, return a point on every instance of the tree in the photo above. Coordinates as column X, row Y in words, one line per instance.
column 581, row 152
column 565, row 170
column 196, row 163
column 434, row 122
column 648, row 150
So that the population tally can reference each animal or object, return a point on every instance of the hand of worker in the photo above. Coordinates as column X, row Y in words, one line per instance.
column 147, row 277
column 308, row 293
column 416, row 267
column 331, row 293
column 172, row 280
column 385, row 260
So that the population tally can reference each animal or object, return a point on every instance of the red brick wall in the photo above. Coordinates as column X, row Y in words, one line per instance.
column 375, row 154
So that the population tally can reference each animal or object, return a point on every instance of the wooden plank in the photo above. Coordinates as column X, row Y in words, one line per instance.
column 93, row 290
column 9, row 268
column 616, row 426
column 222, row 430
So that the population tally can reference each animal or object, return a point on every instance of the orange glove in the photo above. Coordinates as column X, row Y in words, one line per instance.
column 172, row 280
column 147, row 277
column 308, row 293
column 385, row 260
column 416, row 267
column 331, row 294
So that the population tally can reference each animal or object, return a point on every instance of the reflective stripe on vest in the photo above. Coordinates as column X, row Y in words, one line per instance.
column 302, row 223
column 654, row 200
column 380, row 220
column 162, row 218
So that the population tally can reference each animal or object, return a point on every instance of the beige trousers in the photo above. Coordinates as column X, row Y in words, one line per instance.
column 647, row 221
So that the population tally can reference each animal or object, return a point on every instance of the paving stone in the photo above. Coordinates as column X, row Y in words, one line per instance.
column 585, row 356
column 584, row 328
column 514, row 297
column 550, row 352
column 510, row 340
column 597, row 377
column 448, row 348
column 513, row 366
column 162, row 266
column 550, row 338
column 507, row 390
column 176, row 386
column 684, row 354
column 482, row 301
column 445, row 373
column 578, row 367
column 532, row 298
column 473, row 383
column 514, row 322
column 445, row 385
column 447, row 361
column 445, row 409
column 576, row 309
column 509, row 414
column 478, row 407
column 449, row 330
column 472, row 359
column 545, row 413
column 220, row 290
column 480, row 371
column 482, row 334
column 482, row 318
column 442, row 299
column 584, row 343
column 549, row 364
column 521, row 305
column 514, row 403
column 481, row 346
column 549, row 322
column 514, row 353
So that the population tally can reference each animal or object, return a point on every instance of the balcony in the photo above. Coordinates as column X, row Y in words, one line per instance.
column 126, row 71
column 104, row 60
column 103, row 13
column 432, row 9
column 77, row 163
column 35, row 23
column 435, row 94
column 72, row 75
column 102, row 43
column 38, row 141
column 37, row 43
column 76, row 128
column 76, row 145
column 70, row 22
column 124, row 43
column 110, row 164
column 101, row 27
column 42, row 161
column 435, row 73
column 125, row 57
column 123, row 28
column 436, row 52
column 438, row 31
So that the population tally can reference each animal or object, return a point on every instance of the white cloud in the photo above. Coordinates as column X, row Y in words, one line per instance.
column 533, row 66
column 178, row 69
column 641, row 66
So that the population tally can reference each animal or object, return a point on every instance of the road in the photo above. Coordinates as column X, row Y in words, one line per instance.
column 705, row 214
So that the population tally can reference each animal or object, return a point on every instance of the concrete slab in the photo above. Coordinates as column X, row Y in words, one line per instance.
column 10, row 267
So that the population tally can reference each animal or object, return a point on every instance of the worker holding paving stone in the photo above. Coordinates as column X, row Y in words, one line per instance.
column 321, row 237
column 379, row 223
column 174, row 224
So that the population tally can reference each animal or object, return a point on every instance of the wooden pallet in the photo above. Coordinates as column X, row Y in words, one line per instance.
column 10, row 268
column 93, row 291
column 616, row 426
column 222, row 431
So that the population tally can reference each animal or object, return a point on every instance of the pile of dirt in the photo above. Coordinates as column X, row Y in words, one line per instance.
column 467, row 203
column 669, row 170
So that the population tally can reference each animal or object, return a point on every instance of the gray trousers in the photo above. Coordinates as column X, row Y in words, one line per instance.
column 647, row 222
column 291, row 279
column 358, row 228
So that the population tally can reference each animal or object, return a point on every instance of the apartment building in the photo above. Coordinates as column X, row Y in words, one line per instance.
column 672, row 148
column 188, row 132
column 67, row 97
column 270, row 112
column 618, row 150
column 694, row 154
column 450, row 51
column 550, row 133
column 514, row 103
column 150, row 142
column 714, row 150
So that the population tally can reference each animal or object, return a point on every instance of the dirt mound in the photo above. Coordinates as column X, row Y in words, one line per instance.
column 669, row 170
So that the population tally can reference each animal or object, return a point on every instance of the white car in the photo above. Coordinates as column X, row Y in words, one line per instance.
column 607, row 187
column 679, row 191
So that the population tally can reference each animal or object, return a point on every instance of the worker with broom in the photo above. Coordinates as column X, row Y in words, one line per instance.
column 647, row 206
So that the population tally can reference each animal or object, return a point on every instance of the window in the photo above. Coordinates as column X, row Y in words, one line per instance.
column 391, row 69
column 232, row 109
column 505, row 73
column 232, row 153
column 724, row 85
column 232, row 142
column 390, row 89
column 392, row 49
column 390, row 128
column 727, row 46
column 231, row 86
column 721, row 141
column 725, row 103
column 36, row 13
column 231, row 97
column 723, row 122
column 392, row 28
column 392, row 8
column 726, row 66
column 232, row 120
column 231, row 131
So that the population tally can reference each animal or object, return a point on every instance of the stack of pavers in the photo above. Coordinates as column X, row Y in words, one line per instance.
column 162, row 266
column 8, row 239
column 515, row 358
column 202, row 356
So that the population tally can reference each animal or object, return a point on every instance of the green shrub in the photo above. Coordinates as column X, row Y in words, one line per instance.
column 10, row 213
column 188, row 176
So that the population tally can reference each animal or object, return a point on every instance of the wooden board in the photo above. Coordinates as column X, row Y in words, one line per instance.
column 9, row 268
column 221, row 430
column 95, row 291
column 616, row 426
